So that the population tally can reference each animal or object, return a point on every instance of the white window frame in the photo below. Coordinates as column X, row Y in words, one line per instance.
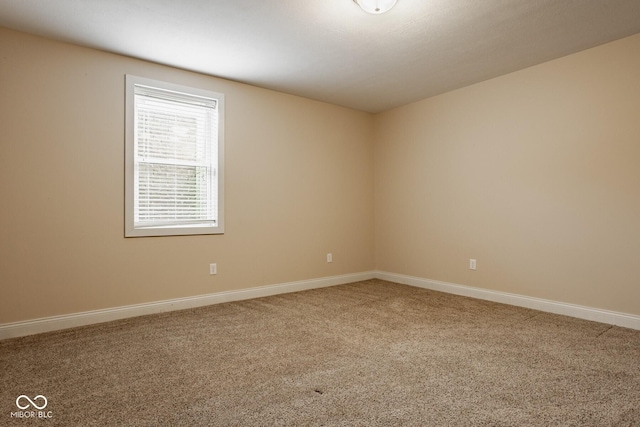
column 206, row 227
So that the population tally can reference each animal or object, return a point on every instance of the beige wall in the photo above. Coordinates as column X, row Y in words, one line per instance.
column 536, row 174
column 299, row 184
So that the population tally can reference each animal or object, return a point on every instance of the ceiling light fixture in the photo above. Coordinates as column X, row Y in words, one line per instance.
column 376, row 7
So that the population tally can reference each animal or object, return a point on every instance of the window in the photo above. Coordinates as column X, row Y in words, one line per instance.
column 174, row 159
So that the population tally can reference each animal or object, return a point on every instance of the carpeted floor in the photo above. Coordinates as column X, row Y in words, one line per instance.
column 371, row 353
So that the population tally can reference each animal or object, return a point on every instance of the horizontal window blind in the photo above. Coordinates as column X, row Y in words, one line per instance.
column 175, row 159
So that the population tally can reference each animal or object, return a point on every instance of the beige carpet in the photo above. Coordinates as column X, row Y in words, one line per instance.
column 366, row 354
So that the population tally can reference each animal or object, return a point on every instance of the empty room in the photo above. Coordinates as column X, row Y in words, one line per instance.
column 320, row 213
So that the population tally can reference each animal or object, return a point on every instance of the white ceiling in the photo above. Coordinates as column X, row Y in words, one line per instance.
column 330, row 50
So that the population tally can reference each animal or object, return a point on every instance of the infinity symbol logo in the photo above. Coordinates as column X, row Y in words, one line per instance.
column 22, row 396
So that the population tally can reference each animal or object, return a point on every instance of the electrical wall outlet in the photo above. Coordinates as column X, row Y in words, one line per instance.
column 472, row 264
column 213, row 269
column 329, row 258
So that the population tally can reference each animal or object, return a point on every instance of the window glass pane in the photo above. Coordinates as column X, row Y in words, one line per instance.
column 168, row 130
column 169, row 192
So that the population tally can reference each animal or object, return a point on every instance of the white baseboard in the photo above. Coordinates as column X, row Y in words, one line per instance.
column 581, row 312
column 54, row 323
